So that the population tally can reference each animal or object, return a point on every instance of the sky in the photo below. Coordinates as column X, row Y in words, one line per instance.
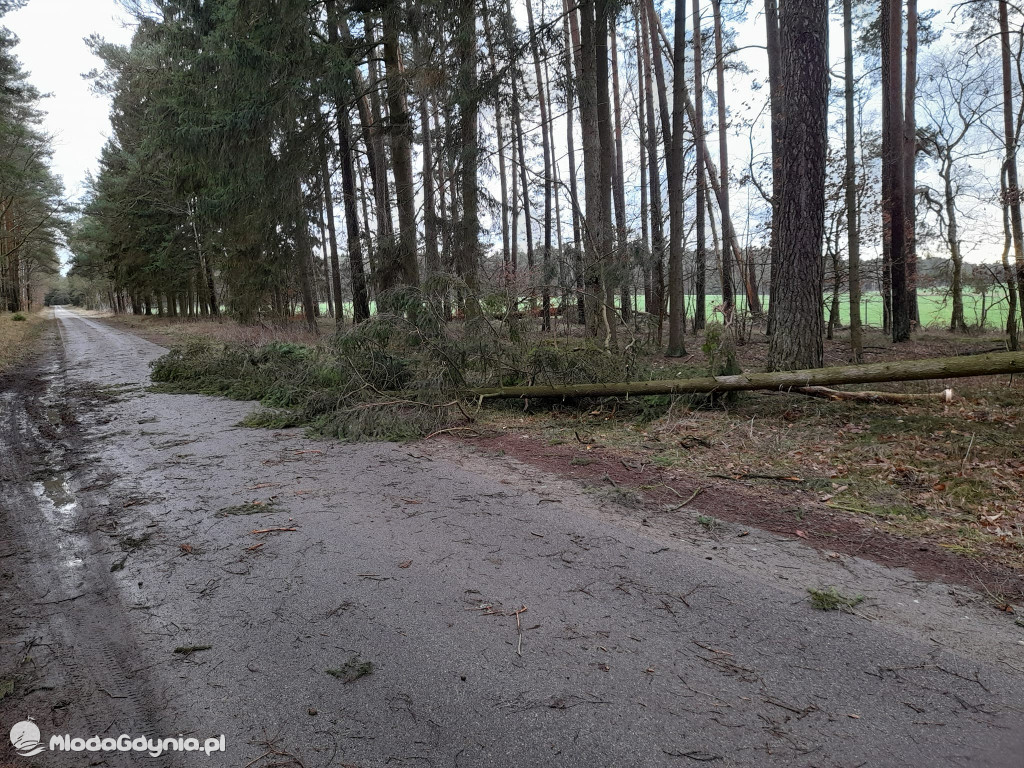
column 52, row 49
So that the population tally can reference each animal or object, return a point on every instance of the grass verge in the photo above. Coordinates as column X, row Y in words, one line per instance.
column 18, row 338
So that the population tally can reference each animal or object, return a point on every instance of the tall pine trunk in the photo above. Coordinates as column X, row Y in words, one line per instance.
column 797, row 338
column 400, row 132
column 571, row 53
column 850, row 189
column 619, row 187
column 593, row 232
column 653, row 176
column 546, row 150
column 1011, row 195
column 893, row 165
column 910, row 162
column 700, row 310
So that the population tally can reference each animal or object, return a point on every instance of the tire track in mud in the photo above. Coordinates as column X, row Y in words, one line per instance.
column 76, row 645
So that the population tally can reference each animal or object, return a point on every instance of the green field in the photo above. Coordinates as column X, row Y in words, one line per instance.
column 936, row 309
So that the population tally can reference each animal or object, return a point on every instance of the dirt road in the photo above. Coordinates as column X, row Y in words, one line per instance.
column 504, row 618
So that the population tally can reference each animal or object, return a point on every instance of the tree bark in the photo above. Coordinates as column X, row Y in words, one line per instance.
column 910, row 163
column 571, row 53
column 619, row 186
column 400, row 132
column 797, row 338
column 700, row 311
column 1008, row 276
column 469, row 246
column 673, row 174
column 850, row 188
column 546, row 150
column 1012, row 193
column 903, row 370
column 332, row 231
column 609, row 317
column 654, row 179
column 593, row 232
column 776, row 94
column 304, row 250
column 893, row 165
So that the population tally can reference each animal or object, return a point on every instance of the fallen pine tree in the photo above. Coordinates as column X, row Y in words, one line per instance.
column 871, row 373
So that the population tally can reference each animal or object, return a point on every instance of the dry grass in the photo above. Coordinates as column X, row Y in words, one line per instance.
column 168, row 332
column 18, row 337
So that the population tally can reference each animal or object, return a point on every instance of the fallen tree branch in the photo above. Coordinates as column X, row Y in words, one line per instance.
column 945, row 395
column 901, row 370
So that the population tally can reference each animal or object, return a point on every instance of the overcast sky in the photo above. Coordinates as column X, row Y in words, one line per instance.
column 53, row 50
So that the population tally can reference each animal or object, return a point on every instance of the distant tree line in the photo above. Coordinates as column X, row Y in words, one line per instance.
column 270, row 157
column 32, row 209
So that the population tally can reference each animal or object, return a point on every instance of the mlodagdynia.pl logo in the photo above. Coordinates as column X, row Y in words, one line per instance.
column 27, row 742
column 25, row 738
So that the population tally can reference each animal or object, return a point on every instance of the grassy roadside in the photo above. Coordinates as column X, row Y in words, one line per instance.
column 950, row 475
column 170, row 332
column 18, row 337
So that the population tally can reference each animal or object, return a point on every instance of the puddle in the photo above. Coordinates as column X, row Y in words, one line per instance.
column 58, row 492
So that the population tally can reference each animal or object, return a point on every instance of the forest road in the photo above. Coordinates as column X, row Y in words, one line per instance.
column 509, row 620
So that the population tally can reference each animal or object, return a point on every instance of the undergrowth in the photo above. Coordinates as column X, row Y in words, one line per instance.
column 396, row 376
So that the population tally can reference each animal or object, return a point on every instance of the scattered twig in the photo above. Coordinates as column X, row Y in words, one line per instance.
column 751, row 476
column 519, row 629
column 693, row 496
column 451, row 429
column 273, row 530
column 963, row 464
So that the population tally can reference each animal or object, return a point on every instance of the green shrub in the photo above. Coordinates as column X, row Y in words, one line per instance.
column 18, row 317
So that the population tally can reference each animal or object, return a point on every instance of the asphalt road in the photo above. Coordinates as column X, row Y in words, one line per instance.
column 127, row 531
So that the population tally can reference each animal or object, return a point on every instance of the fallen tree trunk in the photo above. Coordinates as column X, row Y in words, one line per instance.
column 901, row 370
column 826, row 393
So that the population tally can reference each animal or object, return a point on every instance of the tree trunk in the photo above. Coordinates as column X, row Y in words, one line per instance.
column 373, row 136
column 593, row 234
column 431, row 257
column 400, row 132
column 728, row 233
column 469, row 246
column 910, row 163
column 546, row 150
column 332, row 232
column 1012, row 194
column 304, row 251
column 775, row 99
column 645, row 210
column 674, row 178
column 957, row 322
column 700, row 311
column 609, row 317
column 903, row 370
column 523, row 182
column 322, row 223
column 1008, row 276
column 654, row 178
column 796, row 341
column 893, row 166
column 499, row 129
column 850, row 188
column 619, row 186
column 572, row 52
